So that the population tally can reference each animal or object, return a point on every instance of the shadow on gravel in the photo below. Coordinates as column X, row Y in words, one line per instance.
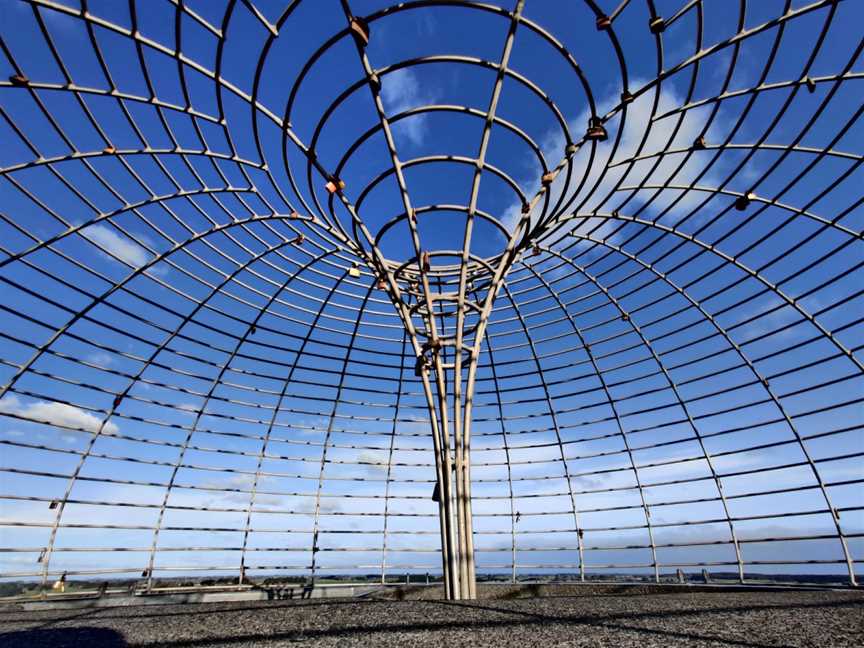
column 659, row 627
column 62, row 637
column 632, row 622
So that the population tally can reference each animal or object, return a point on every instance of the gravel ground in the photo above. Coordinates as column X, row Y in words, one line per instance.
column 574, row 616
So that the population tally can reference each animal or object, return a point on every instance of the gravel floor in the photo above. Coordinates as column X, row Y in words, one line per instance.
column 580, row 617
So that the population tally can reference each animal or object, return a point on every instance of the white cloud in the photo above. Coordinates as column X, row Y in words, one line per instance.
column 240, row 481
column 99, row 358
column 374, row 462
column 331, row 505
column 244, row 483
column 639, row 119
column 120, row 246
column 771, row 320
column 400, row 90
column 54, row 413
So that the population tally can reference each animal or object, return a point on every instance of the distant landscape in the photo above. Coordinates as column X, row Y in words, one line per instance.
column 31, row 588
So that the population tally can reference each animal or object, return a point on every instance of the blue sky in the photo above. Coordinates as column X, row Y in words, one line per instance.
column 204, row 252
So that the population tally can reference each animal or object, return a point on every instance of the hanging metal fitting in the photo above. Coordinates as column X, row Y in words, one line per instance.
column 420, row 365
column 743, row 202
column 596, row 130
column 548, row 178
column 432, row 345
column 334, row 185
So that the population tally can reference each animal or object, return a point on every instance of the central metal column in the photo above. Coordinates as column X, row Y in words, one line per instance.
column 423, row 296
column 453, row 486
column 454, row 479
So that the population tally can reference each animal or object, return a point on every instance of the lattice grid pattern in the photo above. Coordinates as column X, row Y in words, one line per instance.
column 637, row 223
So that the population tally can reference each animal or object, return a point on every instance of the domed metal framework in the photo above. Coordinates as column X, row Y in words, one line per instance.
column 237, row 340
